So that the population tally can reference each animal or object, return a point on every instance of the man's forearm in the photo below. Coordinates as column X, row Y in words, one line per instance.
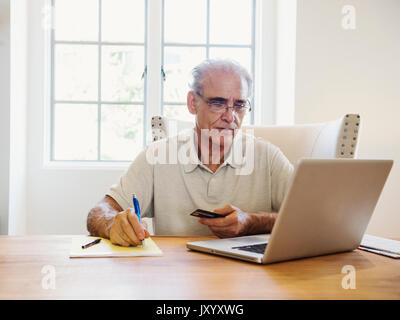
column 261, row 222
column 101, row 217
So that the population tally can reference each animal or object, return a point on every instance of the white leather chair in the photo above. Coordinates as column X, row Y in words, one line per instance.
column 333, row 139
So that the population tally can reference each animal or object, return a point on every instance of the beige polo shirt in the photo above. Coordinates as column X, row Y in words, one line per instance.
column 170, row 182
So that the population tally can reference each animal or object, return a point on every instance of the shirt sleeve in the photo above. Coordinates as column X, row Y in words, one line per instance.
column 137, row 179
column 281, row 171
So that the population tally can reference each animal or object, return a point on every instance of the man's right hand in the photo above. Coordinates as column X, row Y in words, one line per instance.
column 126, row 230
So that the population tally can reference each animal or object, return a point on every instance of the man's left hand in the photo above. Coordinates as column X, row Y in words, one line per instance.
column 234, row 223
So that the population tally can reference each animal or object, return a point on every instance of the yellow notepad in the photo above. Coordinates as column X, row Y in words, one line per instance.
column 106, row 249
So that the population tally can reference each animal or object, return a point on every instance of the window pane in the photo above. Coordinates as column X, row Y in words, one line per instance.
column 185, row 21
column 178, row 112
column 76, row 20
column 122, row 70
column 123, row 20
column 75, row 132
column 121, row 132
column 178, row 63
column 241, row 55
column 230, row 21
column 76, row 72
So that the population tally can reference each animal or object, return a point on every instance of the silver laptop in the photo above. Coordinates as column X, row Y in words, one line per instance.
column 327, row 208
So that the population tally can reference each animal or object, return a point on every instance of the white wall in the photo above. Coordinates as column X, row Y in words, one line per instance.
column 342, row 71
column 4, row 112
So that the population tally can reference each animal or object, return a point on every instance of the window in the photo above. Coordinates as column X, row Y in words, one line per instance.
column 98, row 60
column 100, row 86
column 212, row 32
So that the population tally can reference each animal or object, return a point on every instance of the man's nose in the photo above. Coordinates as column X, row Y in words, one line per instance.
column 228, row 115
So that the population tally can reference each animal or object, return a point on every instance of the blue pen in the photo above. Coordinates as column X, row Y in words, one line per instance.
column 137, row 209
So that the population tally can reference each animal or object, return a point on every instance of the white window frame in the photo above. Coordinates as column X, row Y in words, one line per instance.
column 264, row 46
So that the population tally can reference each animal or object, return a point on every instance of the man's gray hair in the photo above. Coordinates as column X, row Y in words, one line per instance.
column 226, row 65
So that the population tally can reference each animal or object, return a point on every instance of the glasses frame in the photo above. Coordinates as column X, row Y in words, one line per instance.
column 246, row 109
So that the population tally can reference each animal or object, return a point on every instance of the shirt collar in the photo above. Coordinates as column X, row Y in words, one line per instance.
column 232, row 158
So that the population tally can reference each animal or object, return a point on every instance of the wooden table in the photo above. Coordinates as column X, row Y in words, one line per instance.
column 184, row 274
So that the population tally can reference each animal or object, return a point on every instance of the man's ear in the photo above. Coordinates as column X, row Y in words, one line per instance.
column 192, row 102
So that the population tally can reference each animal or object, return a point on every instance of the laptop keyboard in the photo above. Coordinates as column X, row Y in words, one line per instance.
column 257, row 248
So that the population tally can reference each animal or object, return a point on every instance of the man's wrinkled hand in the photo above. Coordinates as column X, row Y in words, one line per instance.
column 126, row 230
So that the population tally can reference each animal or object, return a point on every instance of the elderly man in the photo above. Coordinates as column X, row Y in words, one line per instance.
column 169, row 192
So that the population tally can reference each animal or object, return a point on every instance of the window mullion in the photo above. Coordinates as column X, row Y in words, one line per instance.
column 99, row 87
column 208, row 31
column 52, row 89
column 154, row 58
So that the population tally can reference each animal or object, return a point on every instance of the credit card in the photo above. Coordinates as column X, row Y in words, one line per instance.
column 200, row 213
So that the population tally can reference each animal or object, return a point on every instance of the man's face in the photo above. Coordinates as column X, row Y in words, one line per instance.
column 226, row 87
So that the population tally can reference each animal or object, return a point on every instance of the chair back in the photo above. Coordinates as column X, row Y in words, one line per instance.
column 333, row 139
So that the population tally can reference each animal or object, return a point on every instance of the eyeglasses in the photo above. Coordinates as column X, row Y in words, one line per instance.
column 220, row 105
